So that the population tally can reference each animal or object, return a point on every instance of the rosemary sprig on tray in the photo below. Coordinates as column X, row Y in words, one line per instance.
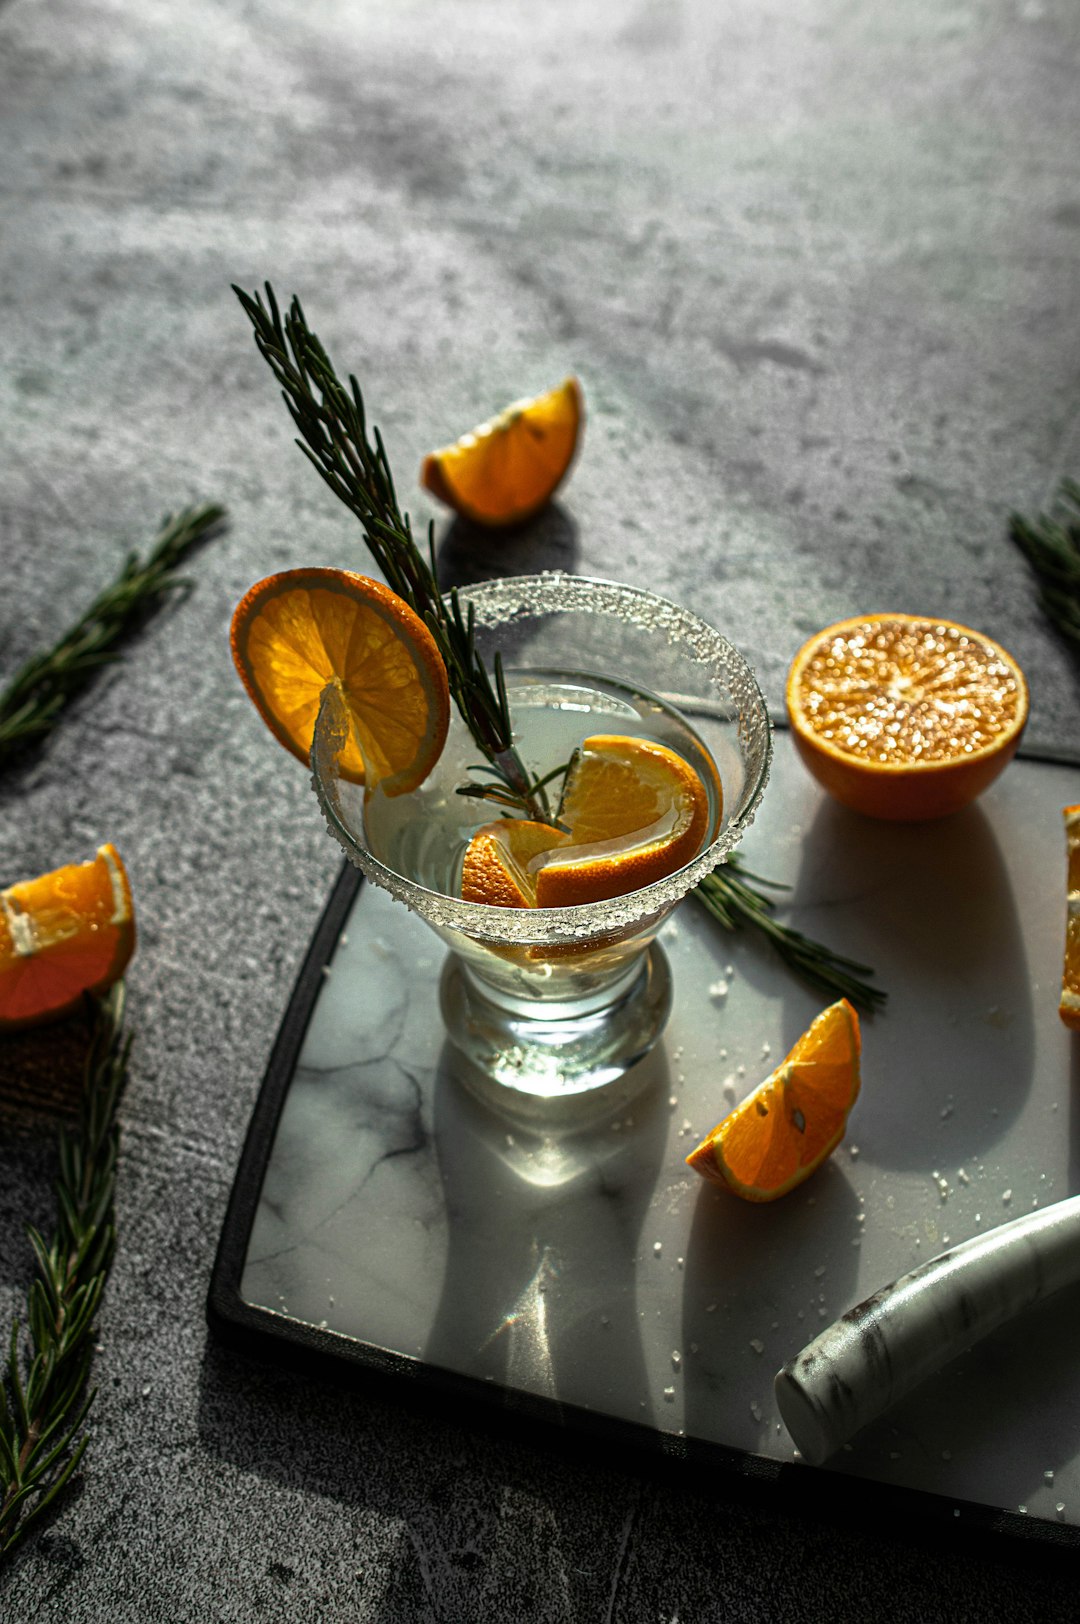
column 43, row 1395
column 333, row 427
column 731, row 899
column 31, row 703
column 1052, row 548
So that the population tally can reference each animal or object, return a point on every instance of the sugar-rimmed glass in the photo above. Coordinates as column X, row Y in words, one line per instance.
column 561, row 1001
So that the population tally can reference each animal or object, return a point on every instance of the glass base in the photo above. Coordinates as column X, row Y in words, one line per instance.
column 542, row 1058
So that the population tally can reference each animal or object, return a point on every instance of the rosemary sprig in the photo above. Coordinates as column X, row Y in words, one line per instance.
column 332, row 423
column 31, row 703
column 730, row 898
column 43, row 1395
column 1052, row 548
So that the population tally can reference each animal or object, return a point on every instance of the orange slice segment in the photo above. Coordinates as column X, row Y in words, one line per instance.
column 905, row 717
column 497, row 862
column 785, row 1129
column 1069, row 1007
column 66, row 933
column 635, row 812
column 296, row 632
column 505, row 470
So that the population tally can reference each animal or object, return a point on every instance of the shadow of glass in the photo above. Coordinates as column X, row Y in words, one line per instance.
column 931, row 907
column 543, row 1226
column 469, row 553
column 756, row 1292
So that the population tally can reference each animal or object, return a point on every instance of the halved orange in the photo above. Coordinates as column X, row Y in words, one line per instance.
column 295, row 633
column 635, row 811
column 785, row 1129
column 66, row 933
column 903, row 716
column 1069, row 1007
column 505, row 470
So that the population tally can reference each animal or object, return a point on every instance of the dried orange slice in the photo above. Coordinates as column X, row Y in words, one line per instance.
column 905, row 717
column 506, row 470
column 1069, row 1007
column 295, row 633
column 635, row 811
column 64, row 934
column 785, row 1129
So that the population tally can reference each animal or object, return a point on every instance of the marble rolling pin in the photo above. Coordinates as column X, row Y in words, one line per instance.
column 880, row 1350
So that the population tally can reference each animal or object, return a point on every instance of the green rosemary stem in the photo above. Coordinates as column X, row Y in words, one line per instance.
column 729, row 897
column 43, row 1393
column 1052, row 547
column 31, row 703
column 332, row 425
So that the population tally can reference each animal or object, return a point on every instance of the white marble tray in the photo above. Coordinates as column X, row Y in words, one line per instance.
column 590, row 1271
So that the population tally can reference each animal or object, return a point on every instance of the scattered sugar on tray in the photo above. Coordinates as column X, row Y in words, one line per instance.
column 962, row 1176
column 755, row 1410
column 757, row 1344
column 1060, row 1509
column 658, row 1247
column 1006, row 1197
column 766, row 1050
column 669, row 1395
column 819, row 1271
column 946, row 1111
column 673, row 1101
column 728, row 1089
column 853, row 1152
column 1048, row 1476
column 676, row 1358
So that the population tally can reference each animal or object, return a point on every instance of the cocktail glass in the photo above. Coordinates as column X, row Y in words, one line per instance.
column 557, row 1002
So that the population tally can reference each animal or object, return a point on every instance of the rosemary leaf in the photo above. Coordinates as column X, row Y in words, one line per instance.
column 43, row 1390
column 728, row 895
column 31, row 703
column 1051, row 546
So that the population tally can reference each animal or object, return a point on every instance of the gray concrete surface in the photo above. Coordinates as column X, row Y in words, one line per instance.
column 816, row 263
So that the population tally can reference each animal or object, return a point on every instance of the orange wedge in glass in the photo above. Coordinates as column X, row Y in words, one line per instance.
column 785, row 1129
column 295, row 633
column 635, row 812
column 1069, row 1007
column 905, row 717
column 505, row 470
column 66, row 933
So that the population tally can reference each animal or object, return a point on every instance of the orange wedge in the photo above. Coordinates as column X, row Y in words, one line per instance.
column 785, row 1129
column 64, row 934
column 1069, row 1007
column 905, row 717
column 635, row 811
column 295, row 633
column 496, row 869
column 506, row 470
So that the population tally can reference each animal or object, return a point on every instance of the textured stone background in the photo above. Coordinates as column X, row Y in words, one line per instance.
column 817, row 264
